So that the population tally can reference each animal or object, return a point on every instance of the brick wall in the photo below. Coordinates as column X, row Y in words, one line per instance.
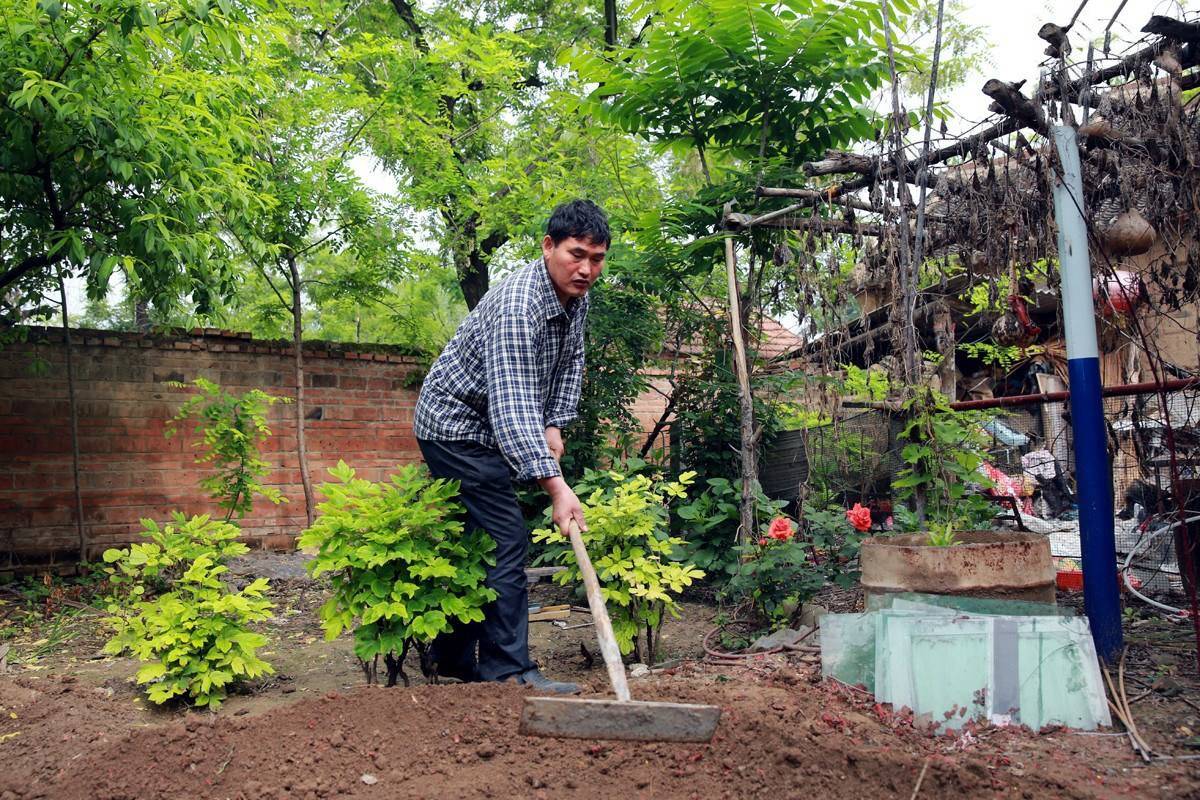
column 649, row 406
column 359, row 403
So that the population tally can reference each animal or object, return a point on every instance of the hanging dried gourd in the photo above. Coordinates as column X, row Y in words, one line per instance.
column 1129, row 234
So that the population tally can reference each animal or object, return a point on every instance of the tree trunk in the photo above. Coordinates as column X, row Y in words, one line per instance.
column 298, row 349
column 473, row 278
column 74, row 412
column 749, row 451
column 663, row 421
column 27, row 266
column 141, row 316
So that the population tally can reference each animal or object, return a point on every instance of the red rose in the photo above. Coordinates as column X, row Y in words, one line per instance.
column 763, row 541
column 860, row 517
column 781, row 529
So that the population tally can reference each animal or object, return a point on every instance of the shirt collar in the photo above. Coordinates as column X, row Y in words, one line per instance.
column 548, row 301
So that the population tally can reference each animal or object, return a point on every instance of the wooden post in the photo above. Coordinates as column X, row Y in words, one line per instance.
column 749, row 451
column 943, row 334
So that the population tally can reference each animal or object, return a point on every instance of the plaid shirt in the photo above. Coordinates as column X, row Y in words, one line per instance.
column 513, row 368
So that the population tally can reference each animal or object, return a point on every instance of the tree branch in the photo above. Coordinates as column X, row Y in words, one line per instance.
column 28, row 265
column 405, row 11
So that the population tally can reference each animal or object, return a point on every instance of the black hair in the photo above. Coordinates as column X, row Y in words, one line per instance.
column 579, row 219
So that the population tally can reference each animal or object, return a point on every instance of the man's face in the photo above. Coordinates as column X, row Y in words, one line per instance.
column 574, row 265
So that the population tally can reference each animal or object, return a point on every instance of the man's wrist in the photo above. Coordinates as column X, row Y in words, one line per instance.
column 554, row 485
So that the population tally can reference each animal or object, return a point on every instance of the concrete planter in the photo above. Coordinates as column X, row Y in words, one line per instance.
column 1013, row 566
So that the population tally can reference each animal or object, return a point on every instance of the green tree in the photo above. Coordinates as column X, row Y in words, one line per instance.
column 741, row 94
column 745, row 80
column 314, row 120
column 124, row 131
column 485, row 133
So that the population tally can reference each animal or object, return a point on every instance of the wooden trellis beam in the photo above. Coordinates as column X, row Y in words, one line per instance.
column 738, row 222
column 1007, row 99
column 813, row 194
column 1171, row 30
column 960, row 149
column 838, row 162
column 793, row 222
column 1020, row 112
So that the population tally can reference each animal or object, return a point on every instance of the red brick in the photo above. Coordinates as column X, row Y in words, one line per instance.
column 280, row 542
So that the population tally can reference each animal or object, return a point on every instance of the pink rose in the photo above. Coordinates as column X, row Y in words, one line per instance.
column 860, row 517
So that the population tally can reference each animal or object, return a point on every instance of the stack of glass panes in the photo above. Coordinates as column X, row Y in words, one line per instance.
column 952, row 659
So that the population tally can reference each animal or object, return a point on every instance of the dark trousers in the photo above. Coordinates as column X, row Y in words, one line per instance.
column 487, row 492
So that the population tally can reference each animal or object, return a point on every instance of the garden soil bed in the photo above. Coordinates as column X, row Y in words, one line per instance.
column 781, row 736
column 73, row 725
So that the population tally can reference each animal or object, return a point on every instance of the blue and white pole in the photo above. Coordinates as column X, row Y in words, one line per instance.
column 1093, row 475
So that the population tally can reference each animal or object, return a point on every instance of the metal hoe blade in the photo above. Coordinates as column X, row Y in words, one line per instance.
column 618, row 719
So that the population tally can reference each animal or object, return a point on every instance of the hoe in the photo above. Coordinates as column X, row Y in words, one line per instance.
column 622, row 718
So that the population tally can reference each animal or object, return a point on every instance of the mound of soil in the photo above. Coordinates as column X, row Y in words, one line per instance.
column 781, row 735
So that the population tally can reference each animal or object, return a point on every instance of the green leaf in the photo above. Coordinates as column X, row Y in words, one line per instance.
column 150, row 672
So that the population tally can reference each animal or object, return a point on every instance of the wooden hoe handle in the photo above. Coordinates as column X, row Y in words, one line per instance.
column 604, row 631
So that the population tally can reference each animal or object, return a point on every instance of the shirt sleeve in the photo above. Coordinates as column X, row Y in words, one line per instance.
column 568, row 384
column 514, row 399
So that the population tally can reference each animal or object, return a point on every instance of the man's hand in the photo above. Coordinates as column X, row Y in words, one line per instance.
column 554, row 441
column 566, row 504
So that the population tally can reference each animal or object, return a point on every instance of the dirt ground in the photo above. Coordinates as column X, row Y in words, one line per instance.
column 72, row 725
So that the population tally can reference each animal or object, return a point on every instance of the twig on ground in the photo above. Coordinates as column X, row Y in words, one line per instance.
column 1144, row 694
column 1117, row 704
column 920, row 780
column 848, row 686
column 225, row 763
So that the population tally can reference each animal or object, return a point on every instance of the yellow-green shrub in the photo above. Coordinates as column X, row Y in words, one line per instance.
column 631, row 549
column 193, row 640
column 401, row 563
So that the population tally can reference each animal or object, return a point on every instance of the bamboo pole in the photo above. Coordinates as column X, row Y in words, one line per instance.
column 749, row 454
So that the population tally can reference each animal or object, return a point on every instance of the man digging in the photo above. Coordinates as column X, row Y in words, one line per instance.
column 491, row 412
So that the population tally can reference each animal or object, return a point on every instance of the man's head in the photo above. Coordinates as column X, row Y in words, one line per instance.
column 576, row 240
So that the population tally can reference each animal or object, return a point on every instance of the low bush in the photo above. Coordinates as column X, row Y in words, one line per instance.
column 787, row 563
column 709, row 524
column 153, row 566
column 631, row 548
column 403, row 567
column 193, row 637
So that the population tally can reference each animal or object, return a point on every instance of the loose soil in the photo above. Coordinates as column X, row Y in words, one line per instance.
column 781, row 736
column 74, row 726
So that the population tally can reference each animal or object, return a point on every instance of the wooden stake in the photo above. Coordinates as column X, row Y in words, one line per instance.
column 749, row 451
column 920, row 779
column 943, row 334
